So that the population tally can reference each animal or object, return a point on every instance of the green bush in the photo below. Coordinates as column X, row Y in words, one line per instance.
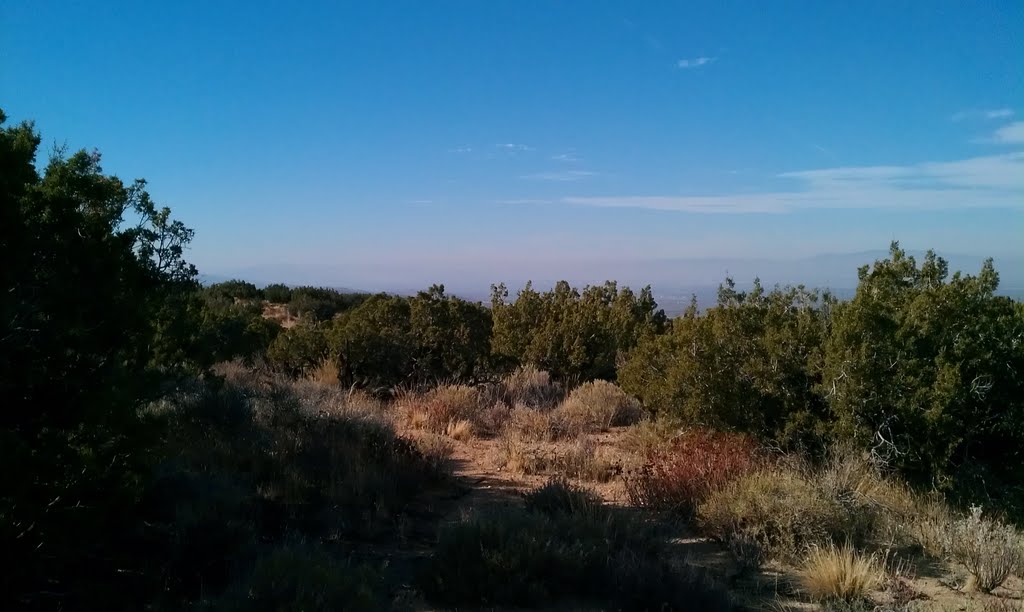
column 320, row 303
column 299, row 349
column 572, row 334
column 94, row 317
column 749, row 364
column 277, row 293
column 926, row 369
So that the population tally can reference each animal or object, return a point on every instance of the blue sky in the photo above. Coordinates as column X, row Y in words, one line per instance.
column 377, row 144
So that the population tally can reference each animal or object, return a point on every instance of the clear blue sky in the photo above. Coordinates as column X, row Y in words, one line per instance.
column 381, row 143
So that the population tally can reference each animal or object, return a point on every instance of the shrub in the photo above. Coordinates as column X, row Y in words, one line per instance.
column 527, row 386
column 520, row 457
column 545, row 556
column 303, row 578
column 559, row 496
column 699, row 462
column 746, row 549
column 780, row 508
column 990, row 549
column 582, row 461
column 299, row 349
column 436, row 450
column 450, row 403
column 310, row 455
column 831, row 573
column 650, row 436
column 531, row 424
column 879, row 509
column 440, row 409
column 277, row 293
column 596, row 406
column 965, row 370
column 491, row 421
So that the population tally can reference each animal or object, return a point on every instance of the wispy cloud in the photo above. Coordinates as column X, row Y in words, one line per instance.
column 512, row 147
column 695, row 62
column 995, row 181
column 566, row 175
column 566, row 157
column 465, row 149
column 526, row 201
column 1012, row 133
column 990, row 113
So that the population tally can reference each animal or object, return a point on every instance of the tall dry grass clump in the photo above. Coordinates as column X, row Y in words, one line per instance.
column 839, row 574
column 436, row 450
column 596, row 406
column 532, row 388
column 531, row 424
column 650, row 436
column 326, row 372
column 879, row 509
column 583, row 460
column 519, row 456
column 779, row 508
column 448, row 409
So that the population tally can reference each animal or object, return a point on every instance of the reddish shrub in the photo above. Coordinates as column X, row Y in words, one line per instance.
column 698, row 462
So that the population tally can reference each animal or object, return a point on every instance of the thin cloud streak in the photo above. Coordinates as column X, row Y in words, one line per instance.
column 696, row 62
column 982, row 182
column 513, row 147
column 992, row 113
column 568, row 175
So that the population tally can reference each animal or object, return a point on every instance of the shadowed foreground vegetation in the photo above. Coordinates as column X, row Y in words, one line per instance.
column 170, row 446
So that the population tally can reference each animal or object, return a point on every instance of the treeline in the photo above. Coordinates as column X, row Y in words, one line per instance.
column 381, row 341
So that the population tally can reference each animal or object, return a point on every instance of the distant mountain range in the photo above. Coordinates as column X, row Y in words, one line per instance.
column 673, row 280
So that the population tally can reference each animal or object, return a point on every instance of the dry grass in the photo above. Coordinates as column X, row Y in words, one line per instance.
column 779, row 507
column 831, row 573
column 325, row 373
column 584, row 461
column 649, row 437
column 594, row 407
column 436, row 450
column 531, row 424
column 519, row 456
column 527, row 386
column 559, row 496
column 930, row 527
column 492, row 420
column 441, row 409
column 880, row 510
column 459, row 430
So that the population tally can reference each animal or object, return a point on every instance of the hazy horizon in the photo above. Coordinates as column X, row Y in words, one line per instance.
column 677, row 278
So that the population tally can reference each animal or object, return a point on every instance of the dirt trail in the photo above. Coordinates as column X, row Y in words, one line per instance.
column 480, row 483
